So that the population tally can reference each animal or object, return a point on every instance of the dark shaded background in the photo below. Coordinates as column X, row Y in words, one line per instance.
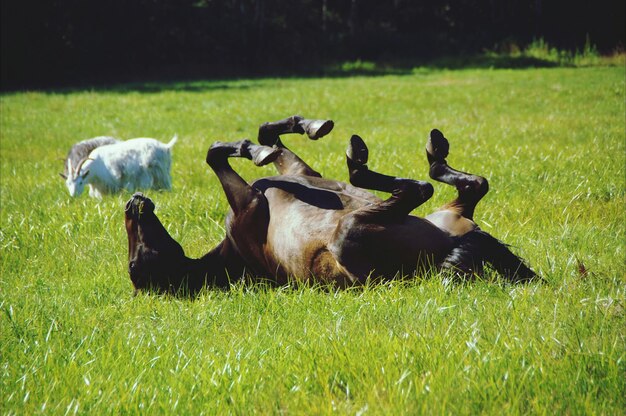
column 80, row 42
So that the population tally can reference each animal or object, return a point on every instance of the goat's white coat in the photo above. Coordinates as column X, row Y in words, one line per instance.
column 141, row 163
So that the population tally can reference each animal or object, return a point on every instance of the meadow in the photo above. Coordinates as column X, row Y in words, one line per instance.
column 73, row 339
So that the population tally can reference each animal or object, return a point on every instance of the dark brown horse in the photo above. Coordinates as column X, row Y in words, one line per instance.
column 301, row 226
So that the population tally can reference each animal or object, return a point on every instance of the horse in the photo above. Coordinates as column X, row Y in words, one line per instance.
column 299, row 226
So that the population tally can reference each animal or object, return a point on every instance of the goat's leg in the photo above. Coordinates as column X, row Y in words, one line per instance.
column 94, row 192
column 288, row 163
column 144, row 180
column 238, row 192
column 470, row 188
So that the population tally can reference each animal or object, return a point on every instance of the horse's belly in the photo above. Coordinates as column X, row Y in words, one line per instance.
column 451, row 222
column 297, row 241
column 383, row 250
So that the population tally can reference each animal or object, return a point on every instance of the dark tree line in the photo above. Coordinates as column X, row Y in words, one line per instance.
column 53, row 42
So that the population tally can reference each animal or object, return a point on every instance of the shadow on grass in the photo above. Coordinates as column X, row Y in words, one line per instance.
column 199, row 82
column 186, row 86
column 410, row 67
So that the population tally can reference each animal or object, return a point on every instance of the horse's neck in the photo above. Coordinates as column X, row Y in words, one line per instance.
column 209, row 270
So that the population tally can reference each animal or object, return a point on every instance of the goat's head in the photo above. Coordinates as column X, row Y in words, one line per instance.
column 155, row 259
column 76, row 179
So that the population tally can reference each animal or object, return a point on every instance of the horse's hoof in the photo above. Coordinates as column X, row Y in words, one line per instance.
column 317, row 128
column 263, row 155
column 357, row 150
column 437, row 147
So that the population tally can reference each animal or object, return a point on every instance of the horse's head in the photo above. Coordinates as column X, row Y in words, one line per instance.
column 155, row 260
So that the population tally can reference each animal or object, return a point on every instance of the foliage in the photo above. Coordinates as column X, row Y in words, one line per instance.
column 540, row 49
column 538, row 54
column 65, row 42
column 551, row 141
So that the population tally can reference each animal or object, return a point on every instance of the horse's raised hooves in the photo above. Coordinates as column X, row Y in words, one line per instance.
column 263, row 155
column 317, row 128
column 437, row 147
column 357, row 150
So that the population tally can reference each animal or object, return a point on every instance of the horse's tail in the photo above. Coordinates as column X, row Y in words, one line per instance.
column 477, row 247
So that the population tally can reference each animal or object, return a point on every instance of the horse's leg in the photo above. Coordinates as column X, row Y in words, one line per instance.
column 238, row 192
column 288, row 163
column 470, row 188
column 247, row 226
column 386, row 213
column 406, row 194
column 474, row 246
column 374, row 237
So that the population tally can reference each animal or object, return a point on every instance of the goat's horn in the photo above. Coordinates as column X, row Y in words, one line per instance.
column 80, row 165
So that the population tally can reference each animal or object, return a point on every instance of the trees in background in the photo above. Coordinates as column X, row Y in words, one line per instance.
column 60, row 41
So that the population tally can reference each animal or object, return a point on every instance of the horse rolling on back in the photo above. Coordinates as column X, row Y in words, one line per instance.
column 300, row 226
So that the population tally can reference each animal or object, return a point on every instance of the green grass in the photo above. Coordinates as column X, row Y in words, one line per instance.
column 551, row 141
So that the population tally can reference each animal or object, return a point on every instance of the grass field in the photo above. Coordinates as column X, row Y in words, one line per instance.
column 73, row 340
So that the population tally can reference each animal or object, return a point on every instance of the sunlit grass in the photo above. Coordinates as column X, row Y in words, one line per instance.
column 551, row 142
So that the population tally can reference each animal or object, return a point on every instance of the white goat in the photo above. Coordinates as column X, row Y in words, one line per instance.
column 133, row 164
